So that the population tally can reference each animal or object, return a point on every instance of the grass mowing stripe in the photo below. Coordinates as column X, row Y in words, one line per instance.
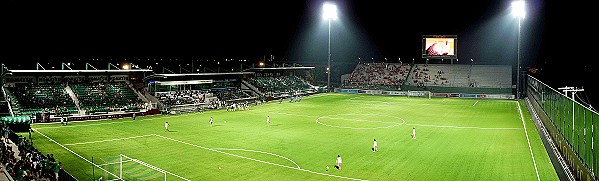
column 116, row 139
column 239, row 156
column 74, row 153
column 528, row 140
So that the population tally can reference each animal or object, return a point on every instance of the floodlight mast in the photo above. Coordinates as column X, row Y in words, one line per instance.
column 330, row 13
column 518, row 11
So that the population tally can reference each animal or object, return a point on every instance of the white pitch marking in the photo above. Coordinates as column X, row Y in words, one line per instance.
column 346, row 127
column 239, row 156
column 255, row 151
column 116, row 139
column 120, row 122
column 461, row 127
column 528, row 140
column 474, row 104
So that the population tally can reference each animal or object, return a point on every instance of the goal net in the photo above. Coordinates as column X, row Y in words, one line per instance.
column 134, row 169
column 424, row 94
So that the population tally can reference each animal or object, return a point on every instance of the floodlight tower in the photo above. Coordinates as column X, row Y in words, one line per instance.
column 329, row 13
column 518, row 11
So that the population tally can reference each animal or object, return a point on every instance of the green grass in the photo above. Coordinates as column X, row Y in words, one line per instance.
column 455, row 141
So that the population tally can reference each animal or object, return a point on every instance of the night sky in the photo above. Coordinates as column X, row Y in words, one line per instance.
column 552, row 35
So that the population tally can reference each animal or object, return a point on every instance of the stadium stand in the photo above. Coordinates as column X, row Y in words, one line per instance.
column 29, row 99
column 441, row 75
column 491, row 76
column 102, row 97
column 231, row 95
column 380, row 76
column 280, row 86
column 182, row 97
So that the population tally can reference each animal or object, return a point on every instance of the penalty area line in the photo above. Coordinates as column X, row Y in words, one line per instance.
column 261, row 161
column 116, row 139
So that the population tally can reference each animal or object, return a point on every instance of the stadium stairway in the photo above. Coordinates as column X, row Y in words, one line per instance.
column 5, row 109
column 74, row 97
column 153, row 99
column 141, row 96
column 250, row 87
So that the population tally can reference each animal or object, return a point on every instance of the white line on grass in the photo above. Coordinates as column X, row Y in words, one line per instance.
column 289, row 114
column 474, row 104
column 528, row 140
column 94, row 163
column 370, row 103
column 75, row 153
column 255, row 151
column 361, row 120
column 116, row 139
column 461, row 127
column 239, row 156
column 120, row 122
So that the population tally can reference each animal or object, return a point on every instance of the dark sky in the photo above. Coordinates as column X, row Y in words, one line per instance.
column 293, row 31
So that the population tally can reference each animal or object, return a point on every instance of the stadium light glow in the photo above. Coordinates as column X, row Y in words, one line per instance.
column 329, row 13
column 126, row 67
column 518, row 9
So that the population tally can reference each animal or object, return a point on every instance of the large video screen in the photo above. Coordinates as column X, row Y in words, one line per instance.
column 439, row 46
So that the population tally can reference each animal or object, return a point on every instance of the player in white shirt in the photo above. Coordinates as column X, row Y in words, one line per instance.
column 166, row 127
column 413, row 133
column 374, row 146
column 268, row 120
column 339, row 162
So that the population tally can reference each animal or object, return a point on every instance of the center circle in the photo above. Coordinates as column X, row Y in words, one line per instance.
column 361, row 119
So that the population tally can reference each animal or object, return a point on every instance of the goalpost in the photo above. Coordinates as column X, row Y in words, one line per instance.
column 134, row 169
column 424, row 94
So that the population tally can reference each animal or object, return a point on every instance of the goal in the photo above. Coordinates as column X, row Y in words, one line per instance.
column 134, row 169
column 423, row 94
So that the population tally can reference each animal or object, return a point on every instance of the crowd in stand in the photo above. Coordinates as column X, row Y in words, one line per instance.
column 33, row 98
column 182, row 97
column 106, row 97
column 231, row 95
column 423, row 77
column 373, row 75
column 30, row 164
column 276, row 86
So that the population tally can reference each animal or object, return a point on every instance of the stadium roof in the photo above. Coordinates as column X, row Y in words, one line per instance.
column 281, row 68
column 80, row 71
column 203, row 74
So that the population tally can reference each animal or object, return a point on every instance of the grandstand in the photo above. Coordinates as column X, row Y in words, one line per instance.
column 106, row 97
column 30, row 99
column 385, row 76
column 438, row 78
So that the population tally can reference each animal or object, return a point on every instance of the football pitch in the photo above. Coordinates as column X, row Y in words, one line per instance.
column 456, row 139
